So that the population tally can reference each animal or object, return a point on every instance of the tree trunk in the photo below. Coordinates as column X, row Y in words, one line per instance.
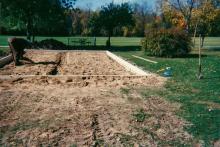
column 187, row 26
column 108, row 43
column 29, row 27
column 33, row 35
column 28, row 32
column 28, row 35
column 203, row 39
column 109, row 39
column 194, row 36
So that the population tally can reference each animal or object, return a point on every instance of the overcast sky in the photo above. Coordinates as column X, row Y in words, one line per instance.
column 95, row 4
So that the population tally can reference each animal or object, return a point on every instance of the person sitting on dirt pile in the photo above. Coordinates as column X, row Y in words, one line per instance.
column 17, row 46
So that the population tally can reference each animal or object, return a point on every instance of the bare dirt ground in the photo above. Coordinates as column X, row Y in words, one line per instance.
column 44, row 64
column 89, row 63
column 85, row 110
column 65, row 63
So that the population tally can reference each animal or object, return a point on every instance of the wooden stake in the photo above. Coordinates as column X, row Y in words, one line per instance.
column 200, row 76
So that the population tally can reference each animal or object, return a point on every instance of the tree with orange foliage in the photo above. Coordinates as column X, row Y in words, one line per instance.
column 172, row 17
column 185, row 8
column 178, row 20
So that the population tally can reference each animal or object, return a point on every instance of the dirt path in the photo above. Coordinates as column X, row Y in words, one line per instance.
column 85, row 110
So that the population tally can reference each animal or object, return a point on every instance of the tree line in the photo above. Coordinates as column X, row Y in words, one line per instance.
column 50, row 17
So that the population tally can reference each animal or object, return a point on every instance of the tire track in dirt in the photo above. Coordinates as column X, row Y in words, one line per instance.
column 83, row 133
column 106, row 125
column 95, row 130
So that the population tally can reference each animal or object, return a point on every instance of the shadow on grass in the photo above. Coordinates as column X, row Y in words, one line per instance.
column 112, row 48
column 193, row 56
column 211, row 78
column 178, row 57
column 213, row 48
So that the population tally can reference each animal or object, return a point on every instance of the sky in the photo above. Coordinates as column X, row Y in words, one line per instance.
column 96, row 4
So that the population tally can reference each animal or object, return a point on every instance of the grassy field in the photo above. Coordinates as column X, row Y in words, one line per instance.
column 210, row 42
column 116, row 41
column 200, row 99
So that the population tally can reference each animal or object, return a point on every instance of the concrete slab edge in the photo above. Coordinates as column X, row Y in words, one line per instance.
column 128, row 66
column 67, row 76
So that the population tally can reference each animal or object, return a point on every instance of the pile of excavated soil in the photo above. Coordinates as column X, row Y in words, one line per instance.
column 49, row 44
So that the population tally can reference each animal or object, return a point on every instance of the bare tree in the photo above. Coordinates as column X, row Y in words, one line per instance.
column 143, row 15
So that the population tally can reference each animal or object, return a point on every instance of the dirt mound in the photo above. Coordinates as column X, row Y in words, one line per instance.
column 49, row 44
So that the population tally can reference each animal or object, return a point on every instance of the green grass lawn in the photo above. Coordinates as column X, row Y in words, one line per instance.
column 116, row 41
column 200, row 99
column 210, row 42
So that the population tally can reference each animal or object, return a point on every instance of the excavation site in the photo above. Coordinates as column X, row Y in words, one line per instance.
column 84, row 98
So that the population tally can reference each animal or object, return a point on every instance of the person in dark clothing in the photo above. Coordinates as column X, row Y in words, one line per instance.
column 17, row 46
